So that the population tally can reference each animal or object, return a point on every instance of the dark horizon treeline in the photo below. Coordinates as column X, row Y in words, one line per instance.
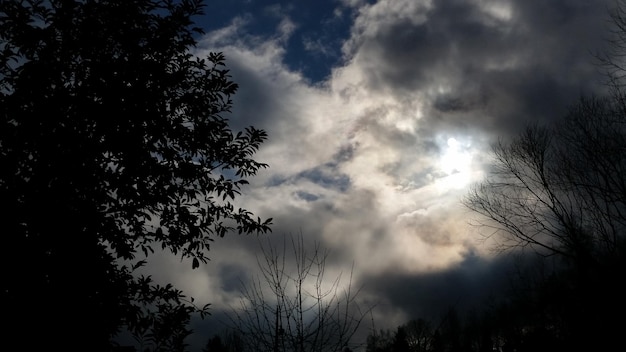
column 547, row 310
column 548, row 306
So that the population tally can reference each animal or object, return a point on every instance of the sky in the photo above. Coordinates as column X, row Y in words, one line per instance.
column 380, row 116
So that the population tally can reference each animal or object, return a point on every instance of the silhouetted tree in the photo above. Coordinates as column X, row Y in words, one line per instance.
column 450, row 329
column 477, row 331
column 292, row 306
column 379, row 341
column 112, row 140
column 400, row 343
column 226, row 342
column 419, row 335
column 559, row 190
column 438, row 342
column 214, row 344
column 536, row 196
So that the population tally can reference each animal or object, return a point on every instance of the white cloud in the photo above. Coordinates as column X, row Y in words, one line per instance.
column 372, row 138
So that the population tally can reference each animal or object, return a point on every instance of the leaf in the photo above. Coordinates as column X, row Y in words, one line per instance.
column 139, row 264
column 195, row 263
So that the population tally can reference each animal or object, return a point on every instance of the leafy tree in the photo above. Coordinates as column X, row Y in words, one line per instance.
column 113, row 140
column 293, row 307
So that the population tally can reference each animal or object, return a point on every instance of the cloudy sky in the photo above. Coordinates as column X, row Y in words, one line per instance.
column 380, row 115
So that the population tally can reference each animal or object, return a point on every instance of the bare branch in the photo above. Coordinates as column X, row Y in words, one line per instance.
column 293, row 307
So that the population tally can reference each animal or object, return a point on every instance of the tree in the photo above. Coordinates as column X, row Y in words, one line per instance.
column 559, row 190
column 419, row 335
column 227, row 342
column 293, row 308
column 400, row 343
column 380, row 341
column 113, row 140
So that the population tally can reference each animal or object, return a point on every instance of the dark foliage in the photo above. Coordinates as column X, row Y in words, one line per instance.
column 112, row 141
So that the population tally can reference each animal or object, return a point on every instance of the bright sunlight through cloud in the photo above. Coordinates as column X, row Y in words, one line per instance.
column 455, row 163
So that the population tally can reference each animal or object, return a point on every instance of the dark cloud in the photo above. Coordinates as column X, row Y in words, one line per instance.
column 232, row 276
column 309, row 197
column 471, row 284
column 326, row 175
column 327, row 179
column 469, row 99
column 256, row 102
column 502, row 71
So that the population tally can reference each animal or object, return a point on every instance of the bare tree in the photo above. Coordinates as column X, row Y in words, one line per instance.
column 612, row 60
column 419, row 334
column 292, row 307
column 560, row 190
column 517, row 200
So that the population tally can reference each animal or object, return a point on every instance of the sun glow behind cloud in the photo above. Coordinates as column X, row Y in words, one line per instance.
column 456, row 164
column 397, row 175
